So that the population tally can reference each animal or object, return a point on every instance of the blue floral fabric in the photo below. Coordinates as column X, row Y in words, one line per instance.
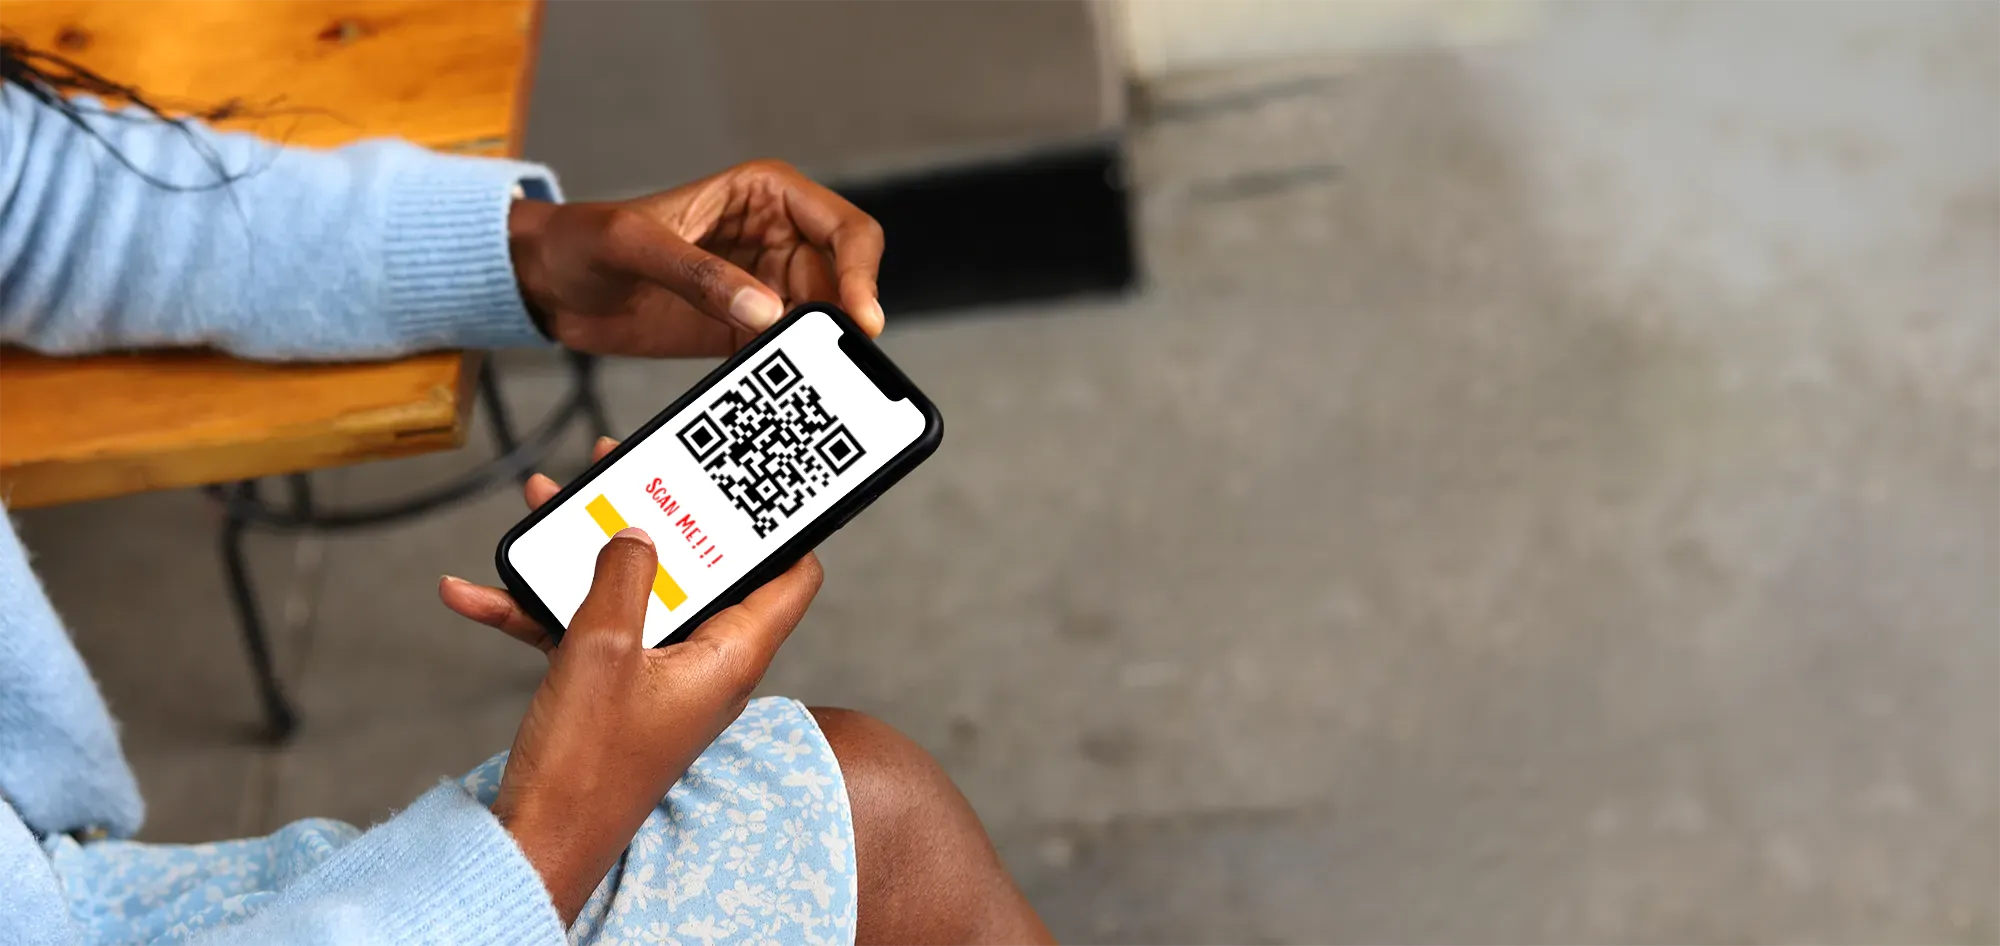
column 754, row 845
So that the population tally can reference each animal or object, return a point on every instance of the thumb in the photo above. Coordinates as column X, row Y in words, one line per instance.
column 615, row 609
column 710, row 283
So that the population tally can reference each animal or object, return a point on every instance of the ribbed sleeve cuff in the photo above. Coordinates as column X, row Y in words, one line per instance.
column 449, row 275
column 445, row 871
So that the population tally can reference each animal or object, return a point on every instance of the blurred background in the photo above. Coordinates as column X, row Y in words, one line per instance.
column 1423, row 471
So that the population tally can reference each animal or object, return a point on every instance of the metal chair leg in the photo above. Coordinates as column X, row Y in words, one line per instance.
column 585, row 369
column 280, row 719
column 498, row 418
column 243, row 508
column 302, row 495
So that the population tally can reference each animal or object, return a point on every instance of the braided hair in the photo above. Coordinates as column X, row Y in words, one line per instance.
column 54, row 80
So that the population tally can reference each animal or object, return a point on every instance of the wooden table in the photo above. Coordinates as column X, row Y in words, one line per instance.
column 449, row 74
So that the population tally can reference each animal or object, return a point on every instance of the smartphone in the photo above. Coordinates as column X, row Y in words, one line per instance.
column 742, row 476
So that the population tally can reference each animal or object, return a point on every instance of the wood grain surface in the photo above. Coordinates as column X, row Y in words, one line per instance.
column 447, row 74
column 86, row 428
column 450, row 74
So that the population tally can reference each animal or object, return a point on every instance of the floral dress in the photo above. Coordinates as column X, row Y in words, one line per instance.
column 754, row 845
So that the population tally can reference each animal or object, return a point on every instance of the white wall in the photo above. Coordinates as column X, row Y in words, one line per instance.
column 1164, row 36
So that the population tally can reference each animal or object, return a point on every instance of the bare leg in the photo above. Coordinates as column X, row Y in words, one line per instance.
column 928, row 872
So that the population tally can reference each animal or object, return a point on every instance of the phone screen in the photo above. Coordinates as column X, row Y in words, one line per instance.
column 725, row 482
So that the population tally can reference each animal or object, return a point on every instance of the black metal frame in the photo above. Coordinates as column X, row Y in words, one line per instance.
column 244, row 508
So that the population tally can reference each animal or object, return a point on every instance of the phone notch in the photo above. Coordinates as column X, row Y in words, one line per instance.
column 875, row 366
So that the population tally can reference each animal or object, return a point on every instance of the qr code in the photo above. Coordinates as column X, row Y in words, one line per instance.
column 769, row 443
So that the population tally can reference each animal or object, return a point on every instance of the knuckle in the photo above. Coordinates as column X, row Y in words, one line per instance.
column 859, row 234
column 736, row 668
column 772, row 166
column 709, row 273
column 597, row 646
column 624, row 226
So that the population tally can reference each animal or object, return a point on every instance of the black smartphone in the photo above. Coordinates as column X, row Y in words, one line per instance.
column 771, row 453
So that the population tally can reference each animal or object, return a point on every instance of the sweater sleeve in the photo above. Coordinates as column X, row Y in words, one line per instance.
column 60, row 767
column 373, row 249
column 442, row 871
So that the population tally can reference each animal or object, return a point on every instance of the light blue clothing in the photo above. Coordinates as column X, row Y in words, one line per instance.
column 375, row 249
column 753, row 845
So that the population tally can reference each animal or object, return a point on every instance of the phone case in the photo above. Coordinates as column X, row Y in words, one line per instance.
column 872, row 362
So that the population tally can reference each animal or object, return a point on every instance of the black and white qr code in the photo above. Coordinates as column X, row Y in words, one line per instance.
column 769, row 443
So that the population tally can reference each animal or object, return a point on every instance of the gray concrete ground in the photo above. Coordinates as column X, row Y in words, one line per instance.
column 1543, row 493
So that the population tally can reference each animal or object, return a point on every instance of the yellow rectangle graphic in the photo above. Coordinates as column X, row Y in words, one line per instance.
column 669, row 591
column 608, row 519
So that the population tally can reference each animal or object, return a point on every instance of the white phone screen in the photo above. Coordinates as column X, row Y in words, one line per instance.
column 728, row 480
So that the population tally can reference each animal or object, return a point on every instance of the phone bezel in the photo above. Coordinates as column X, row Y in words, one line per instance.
column 872, row 362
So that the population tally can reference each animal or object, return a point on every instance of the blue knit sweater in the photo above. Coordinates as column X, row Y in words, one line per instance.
column 366, row 251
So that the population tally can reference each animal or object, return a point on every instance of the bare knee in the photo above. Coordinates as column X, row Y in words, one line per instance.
column 928, row 873
column 904, row 805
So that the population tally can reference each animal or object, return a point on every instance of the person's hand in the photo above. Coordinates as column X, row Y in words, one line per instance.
column 615, row 724
column 494, row 607
column 697, row 270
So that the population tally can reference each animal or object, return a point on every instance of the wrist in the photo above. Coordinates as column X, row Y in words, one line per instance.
column 573, row 838
column 555, row 854
column 527, row 220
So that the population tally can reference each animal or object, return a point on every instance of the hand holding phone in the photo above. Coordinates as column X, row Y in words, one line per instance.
column 494, row 607
column 633, row 718
column 767, row 456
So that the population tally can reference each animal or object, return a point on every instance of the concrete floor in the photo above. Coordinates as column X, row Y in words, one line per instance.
column 1547, row 493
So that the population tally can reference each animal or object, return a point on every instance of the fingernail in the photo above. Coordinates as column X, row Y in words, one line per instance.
column 634, row 532
column 754, row 309
column 606, row 443
column 881, row 318
column 453, row 579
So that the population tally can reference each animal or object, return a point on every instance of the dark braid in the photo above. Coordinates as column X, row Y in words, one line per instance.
column 52, row 79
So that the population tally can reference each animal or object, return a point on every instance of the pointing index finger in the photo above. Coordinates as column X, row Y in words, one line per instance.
column 707, row 281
